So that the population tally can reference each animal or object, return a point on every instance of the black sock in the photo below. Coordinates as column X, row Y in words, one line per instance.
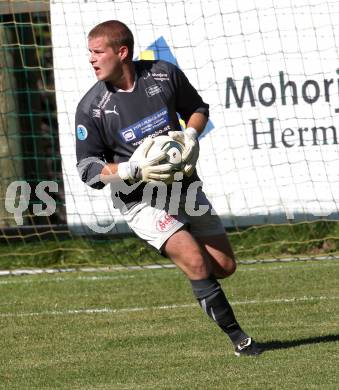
column 213, row 301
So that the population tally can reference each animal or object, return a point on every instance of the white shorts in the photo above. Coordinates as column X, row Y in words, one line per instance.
column 156, row 225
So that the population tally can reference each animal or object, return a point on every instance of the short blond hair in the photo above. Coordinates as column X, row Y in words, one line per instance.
column 117, row 33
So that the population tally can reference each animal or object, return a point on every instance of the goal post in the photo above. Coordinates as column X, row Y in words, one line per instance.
column 268, row 156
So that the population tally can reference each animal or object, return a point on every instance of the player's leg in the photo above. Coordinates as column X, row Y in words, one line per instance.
column 194, row 261
column 209, row 232
column 185, row 252
column 167, row 233
column 221, row 254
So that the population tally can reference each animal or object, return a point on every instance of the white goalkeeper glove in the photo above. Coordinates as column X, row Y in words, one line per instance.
column 147, row 169
column 190, row 154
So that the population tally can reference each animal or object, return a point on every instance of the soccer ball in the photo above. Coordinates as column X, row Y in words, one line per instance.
column 172, row 148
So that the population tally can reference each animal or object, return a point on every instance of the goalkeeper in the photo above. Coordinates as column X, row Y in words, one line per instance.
column 132, row 102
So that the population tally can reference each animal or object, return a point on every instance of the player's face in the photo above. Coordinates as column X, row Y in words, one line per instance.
column 107, row 64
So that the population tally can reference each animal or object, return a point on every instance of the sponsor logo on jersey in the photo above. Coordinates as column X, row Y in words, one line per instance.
column 82, row 132
column 96, row 113
column 158, row 122
column 128, row 135
column 114, row 111
column 160, row 76
column 153, row 90
column 104, row 100
column 165, row 223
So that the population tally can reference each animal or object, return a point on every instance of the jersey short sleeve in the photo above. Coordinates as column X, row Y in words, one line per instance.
column 188, row 101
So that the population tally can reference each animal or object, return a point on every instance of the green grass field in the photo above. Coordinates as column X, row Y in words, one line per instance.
column 303, row 239
column 142, row 329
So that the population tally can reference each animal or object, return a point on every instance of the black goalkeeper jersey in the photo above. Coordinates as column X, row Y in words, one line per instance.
column 111, row 124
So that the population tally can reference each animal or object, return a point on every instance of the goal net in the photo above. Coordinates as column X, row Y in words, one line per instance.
column 268, row 156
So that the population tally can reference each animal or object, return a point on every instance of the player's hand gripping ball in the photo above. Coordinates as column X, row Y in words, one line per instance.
column 155, row 159
column 172, row 149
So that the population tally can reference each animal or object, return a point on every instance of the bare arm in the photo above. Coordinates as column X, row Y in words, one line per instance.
column 109, row 173
column 198, row 121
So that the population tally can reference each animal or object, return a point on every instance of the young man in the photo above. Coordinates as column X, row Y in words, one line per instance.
column 132, row 102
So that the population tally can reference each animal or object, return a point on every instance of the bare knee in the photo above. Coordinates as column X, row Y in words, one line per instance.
column 225, row 270
column 185, row 252
column 196, row 267
column 221, row 255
